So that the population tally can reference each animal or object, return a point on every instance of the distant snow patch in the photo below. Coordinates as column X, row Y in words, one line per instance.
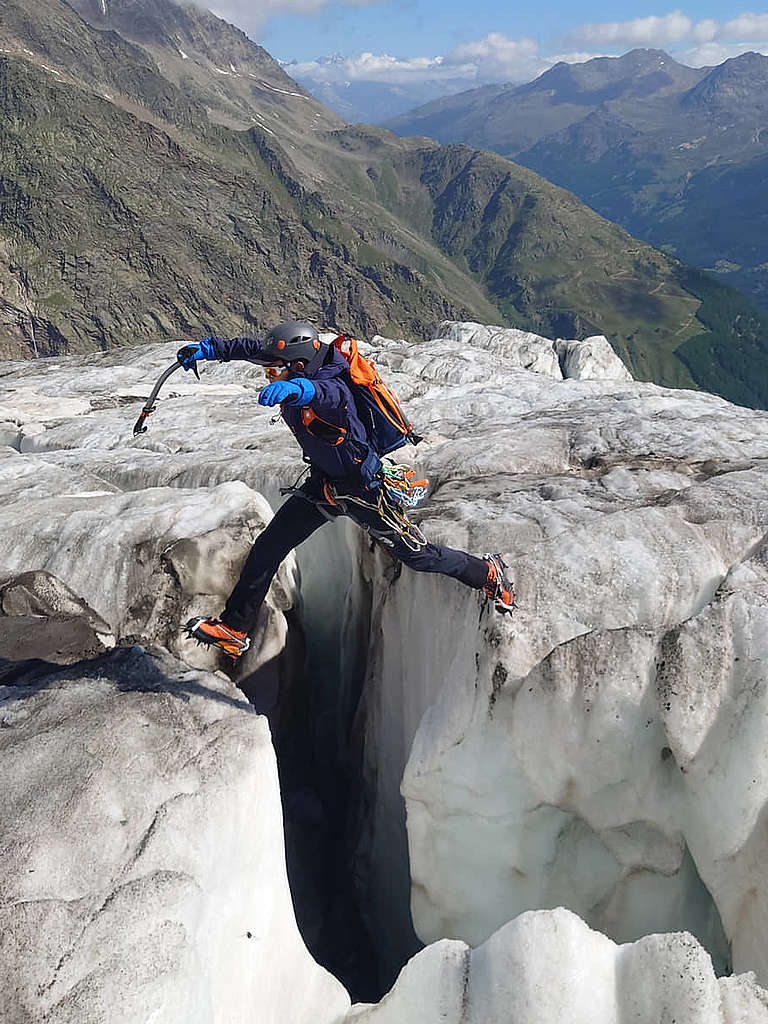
column 285, row 92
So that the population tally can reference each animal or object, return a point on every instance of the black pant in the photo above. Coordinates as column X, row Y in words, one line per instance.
column 298, row 519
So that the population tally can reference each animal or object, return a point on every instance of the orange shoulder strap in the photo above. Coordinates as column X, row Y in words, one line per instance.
column 366, row 375
column 361, row 371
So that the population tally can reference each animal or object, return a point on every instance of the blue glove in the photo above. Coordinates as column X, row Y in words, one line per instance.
column 189, row 354
column 295, row 392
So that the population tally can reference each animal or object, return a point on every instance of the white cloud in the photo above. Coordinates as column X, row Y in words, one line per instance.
column 496, row 52
column 251, row 16
column 710, row 42
column 650, row 31
column 705, row 31
column 495, row 58
column 382, row 67
column 499, row 58
column 745, row 26
column 710, row 54
column 718, row 42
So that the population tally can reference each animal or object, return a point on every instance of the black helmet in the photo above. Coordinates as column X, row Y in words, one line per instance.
column 291, row 341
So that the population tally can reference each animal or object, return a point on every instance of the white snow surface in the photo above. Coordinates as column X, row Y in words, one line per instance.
column 604, row 749
column 592, row 358
column 142, row 875
column 549, row 966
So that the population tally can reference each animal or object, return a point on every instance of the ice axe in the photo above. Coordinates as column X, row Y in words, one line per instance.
column 140, row 426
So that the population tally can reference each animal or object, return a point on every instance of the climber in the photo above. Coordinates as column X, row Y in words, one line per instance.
column 309, row 380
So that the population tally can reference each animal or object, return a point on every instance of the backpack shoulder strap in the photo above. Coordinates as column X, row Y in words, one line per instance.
column 365, row 376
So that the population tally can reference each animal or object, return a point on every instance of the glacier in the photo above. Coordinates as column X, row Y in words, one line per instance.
column 574, row 796
column 143, row 874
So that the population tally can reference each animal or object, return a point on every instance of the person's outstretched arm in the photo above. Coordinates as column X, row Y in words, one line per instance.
column 221, row 349
column 323, row 396
column 226, row 349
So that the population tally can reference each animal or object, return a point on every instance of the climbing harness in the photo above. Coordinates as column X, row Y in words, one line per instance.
column 296, row 489
column 388, row 510
column 389, row 504
column 140, row 427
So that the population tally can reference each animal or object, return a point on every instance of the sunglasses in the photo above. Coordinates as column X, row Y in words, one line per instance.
column 273, row 372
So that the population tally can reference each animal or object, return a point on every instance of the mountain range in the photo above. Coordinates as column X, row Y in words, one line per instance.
column 359, row 99
column 676, row 155
column 163, row 177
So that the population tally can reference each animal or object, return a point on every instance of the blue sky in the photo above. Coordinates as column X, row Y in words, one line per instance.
column 486, row 40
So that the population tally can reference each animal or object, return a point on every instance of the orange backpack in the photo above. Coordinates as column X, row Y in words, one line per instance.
column 378, row 408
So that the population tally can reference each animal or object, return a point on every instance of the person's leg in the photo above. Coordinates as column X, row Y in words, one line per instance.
column 292, row 524
column 466, row 568
column 488, row 573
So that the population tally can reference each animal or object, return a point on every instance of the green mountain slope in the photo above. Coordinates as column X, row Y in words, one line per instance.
column 676, row 155
column 129, row 210
column 115, row 232
column 557, row 267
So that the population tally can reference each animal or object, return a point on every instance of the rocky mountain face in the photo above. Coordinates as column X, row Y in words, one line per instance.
column 235, row 79
column 154, row 222
column 169, row 180
column 561, row 96
column 165, row 25
column 150, row 237
column 736, row 88
column 601, row 751
column 676, row 155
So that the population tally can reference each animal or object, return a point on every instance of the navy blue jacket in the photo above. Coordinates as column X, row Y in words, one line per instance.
column 329, row 429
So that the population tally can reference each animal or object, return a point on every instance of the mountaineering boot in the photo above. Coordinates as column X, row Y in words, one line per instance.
column 214, row 633
column 498, row 586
